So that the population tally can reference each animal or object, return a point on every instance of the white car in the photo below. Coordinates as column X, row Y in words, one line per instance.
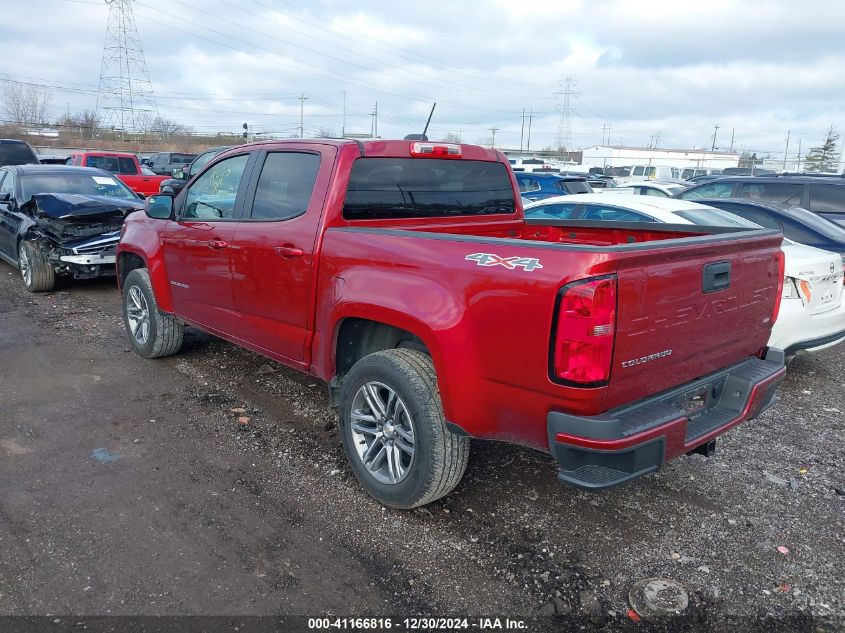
column 812, row 310
column 656, row 189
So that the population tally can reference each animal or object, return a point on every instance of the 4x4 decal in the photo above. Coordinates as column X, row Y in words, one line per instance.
column 489, row 259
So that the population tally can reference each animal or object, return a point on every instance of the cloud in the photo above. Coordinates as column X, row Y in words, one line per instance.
column 678, row 69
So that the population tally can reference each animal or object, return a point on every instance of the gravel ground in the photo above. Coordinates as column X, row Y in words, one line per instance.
column 199, row 514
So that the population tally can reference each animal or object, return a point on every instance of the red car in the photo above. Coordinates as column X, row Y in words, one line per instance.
column 123, row 165
column 403, row 274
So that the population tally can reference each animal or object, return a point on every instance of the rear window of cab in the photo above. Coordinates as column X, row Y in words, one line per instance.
column 382, row 188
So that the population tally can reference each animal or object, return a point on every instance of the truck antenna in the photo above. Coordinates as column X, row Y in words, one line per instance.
column 434, row 105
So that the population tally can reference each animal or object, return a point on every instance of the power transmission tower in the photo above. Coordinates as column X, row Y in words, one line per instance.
column 566, row 94
column 125, row 98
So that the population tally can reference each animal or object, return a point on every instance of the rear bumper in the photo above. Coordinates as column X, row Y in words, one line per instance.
column 607, row 450
column 796, row 330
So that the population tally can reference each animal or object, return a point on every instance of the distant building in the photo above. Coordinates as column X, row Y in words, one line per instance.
column 616, row 156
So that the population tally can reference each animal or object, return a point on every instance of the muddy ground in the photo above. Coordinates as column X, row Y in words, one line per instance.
column 127, row 486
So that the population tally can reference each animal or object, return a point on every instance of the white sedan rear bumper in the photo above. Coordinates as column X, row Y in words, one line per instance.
column 796, row 330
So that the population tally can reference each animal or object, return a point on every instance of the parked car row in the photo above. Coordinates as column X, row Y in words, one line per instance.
column 404, row 275
column 812, row 315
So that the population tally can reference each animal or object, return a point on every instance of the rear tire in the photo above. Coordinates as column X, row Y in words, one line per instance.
column 37, row 273
column 394, row 432
column 153, row 334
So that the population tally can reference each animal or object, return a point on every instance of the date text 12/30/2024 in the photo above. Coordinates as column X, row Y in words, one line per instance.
column 416, row 624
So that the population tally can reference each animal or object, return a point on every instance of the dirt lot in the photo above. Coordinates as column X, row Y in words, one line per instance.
column 127, row 486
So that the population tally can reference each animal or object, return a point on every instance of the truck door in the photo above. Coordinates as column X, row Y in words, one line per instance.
column 274, row 254
column 198, row 245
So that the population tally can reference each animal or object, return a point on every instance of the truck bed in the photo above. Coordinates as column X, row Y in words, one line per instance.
column 508, row 312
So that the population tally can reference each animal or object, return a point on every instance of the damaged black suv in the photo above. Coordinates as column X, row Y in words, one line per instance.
column 57, row 220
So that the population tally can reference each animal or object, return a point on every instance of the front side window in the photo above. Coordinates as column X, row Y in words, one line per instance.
column 285, row 185
column 201, row 162
column 657, row 193
column 427, row 187
column 709, row 190
column 613, row 214
column 213, row 195
column 789, row 193
column 638, row 171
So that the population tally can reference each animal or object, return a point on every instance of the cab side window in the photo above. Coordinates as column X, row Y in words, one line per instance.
column 213, row 195
column 285, row 185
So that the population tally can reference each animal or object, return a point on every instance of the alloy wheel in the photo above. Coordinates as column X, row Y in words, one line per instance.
column 382, row 432
column 138, row 315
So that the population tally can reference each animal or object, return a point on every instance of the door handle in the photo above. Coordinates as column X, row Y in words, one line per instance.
column 289, row 252
column 217, row 244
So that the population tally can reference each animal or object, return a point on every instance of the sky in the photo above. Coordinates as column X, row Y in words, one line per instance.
column 644, row 72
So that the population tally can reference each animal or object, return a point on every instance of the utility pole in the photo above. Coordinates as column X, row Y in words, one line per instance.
column 493, row 131
column 605, row 129
column 374, row 126
column 733, row 129
column 799, row 154
column 788, row 132
column 343, row 124
column 530, row 118
column 715, row 132
column 302, row 99
column 522, row 132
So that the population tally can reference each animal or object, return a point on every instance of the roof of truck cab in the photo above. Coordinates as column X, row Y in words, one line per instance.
column 378, row 148
column 105, row 152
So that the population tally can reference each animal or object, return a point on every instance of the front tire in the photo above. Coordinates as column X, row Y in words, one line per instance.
column 37, row 273
column 394, row 432
column 153, row 334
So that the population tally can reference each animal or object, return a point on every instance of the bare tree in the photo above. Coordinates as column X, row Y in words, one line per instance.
column 327, row 133
column 26, row 104
column 451, row 137
column 81, row 124
column 167, row 128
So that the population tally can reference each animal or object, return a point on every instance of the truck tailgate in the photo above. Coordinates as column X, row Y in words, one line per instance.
column 689, row 310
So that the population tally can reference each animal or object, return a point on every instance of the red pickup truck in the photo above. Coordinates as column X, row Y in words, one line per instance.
column 403, row 274
column 123, row 165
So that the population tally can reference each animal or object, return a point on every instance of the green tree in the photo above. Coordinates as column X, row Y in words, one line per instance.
column 824, row 158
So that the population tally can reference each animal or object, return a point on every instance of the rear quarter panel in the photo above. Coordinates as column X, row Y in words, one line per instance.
column 487, row 327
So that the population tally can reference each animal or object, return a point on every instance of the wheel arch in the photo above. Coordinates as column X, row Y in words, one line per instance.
column 129, row 259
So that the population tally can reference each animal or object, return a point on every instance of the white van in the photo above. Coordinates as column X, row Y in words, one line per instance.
column 653, row 172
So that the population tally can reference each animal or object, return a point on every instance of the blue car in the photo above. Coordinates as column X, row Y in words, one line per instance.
column 537, row 186
column 797, row 224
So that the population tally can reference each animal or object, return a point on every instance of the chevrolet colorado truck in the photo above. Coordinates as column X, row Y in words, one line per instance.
column 404, row 275
column 124, row 166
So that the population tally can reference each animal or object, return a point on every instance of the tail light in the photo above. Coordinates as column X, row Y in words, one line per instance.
column 585, row 321
column 779, row 295
column 435, row 150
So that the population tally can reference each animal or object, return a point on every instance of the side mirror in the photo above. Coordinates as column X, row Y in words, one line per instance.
column 159, row 206
column 5, row 196
column 179, row 173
